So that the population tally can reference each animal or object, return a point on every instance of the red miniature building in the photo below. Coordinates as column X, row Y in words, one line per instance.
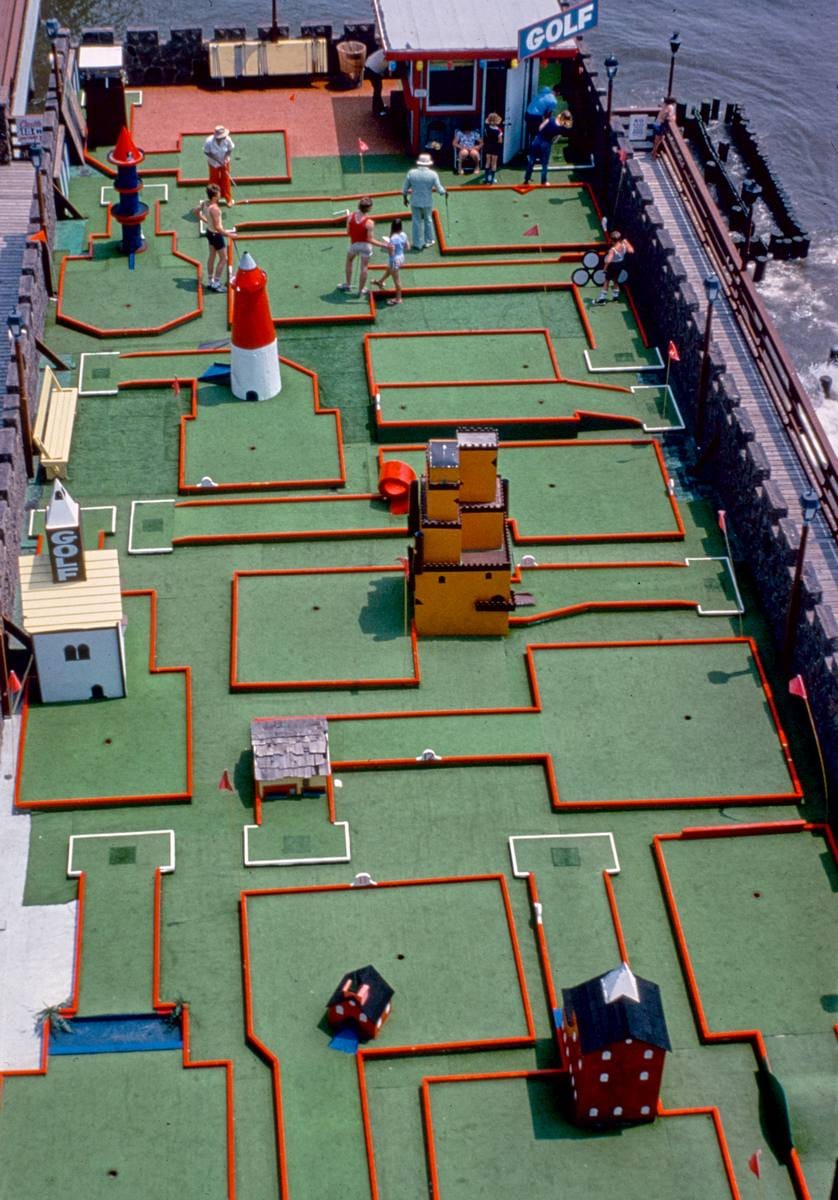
column 614, row 1038
column 362, row 1001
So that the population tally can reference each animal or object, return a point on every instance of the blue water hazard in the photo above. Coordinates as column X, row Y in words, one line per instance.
column 116, row 1035
column 216, row 371
column 345, row 1040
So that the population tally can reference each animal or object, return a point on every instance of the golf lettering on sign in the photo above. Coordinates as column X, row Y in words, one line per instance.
column 557, row 28
column 65, row 552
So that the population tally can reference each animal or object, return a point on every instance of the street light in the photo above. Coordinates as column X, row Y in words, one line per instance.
column 751, row 192
column 611, row 67
column 274, row 34
column 809, row 505
column 36, row 157
column 712, row 288
column 16, row 332
column 674, row 47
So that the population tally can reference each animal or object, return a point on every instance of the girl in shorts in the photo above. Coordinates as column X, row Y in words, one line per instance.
column 492, row 141
column 209, row 211
column 396, row 245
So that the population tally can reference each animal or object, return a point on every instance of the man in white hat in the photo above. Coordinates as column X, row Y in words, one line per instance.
column 420, row 184
column 218, row 148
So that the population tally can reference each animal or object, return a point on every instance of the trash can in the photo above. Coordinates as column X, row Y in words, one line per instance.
column 351, row 58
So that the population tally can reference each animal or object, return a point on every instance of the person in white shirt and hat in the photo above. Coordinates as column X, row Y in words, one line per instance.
column 420, row 184
column 218, row 148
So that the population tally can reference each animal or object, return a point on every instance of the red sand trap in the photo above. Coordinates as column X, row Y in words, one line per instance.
column 323, row 122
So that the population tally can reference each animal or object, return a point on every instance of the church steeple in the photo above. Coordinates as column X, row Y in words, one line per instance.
column 64, row 540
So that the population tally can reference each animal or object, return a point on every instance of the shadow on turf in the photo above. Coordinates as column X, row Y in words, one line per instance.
column 549, row 1123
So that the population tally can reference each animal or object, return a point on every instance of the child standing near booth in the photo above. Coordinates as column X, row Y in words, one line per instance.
column 492, row 142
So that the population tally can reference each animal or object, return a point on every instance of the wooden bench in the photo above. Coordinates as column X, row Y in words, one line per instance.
column 53, row 429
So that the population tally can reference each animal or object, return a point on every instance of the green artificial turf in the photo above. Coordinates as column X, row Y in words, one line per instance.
column 256, row 156
column 457, row 357
column 105, row 1123
column 514, row 1135
column 309, row 517
column 292, row 628
column 135, row 746
column 500, row 217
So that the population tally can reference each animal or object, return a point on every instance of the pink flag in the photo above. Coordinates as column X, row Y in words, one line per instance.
column 672, row 352
column 362, row 146
column 753, row 1164
column 15, row 685
column 533, row 232
column 797, row 687
column 623, row 156
column 723, row 520
column 176, row 386
column 224, row 784
column 293, row 97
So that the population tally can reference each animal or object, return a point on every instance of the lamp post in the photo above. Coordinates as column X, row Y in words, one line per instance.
column 611, row 67
column 674, row 47
column 751, row 192
column 274, row 35
column 16, row 332
column 809, row 505
column 36, row 157
column 712, row 288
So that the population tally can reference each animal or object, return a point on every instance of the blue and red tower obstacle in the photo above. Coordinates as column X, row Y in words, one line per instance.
column 129, row 210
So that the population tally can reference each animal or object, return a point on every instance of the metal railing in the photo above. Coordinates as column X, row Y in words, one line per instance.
column 792, row 403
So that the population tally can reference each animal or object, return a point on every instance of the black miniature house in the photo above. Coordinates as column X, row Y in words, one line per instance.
column 361, row 1001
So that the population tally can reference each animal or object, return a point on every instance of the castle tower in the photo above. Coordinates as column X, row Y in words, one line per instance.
column 129, row 210
column 254, row 354
column 460, row 565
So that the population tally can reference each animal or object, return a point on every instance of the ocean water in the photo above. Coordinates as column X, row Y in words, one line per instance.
column 776, row 59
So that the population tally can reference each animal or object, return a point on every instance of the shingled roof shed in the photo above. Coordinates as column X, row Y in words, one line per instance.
column 290, row 754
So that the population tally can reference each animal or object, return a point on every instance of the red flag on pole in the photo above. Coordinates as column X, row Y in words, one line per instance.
column 723, row 520
column 623, row 156
column 15, row 685
column 797, row 687
column 40, row 236
column 224, row 784
column 293, row 97
column 176, row 386
column 753, row 1164
column 672, row 352
column 362, row 146
column 534, row 231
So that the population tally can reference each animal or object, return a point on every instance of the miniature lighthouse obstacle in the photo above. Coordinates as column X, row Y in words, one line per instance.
column 254, row 353
column 129, row 210
column 72, row 608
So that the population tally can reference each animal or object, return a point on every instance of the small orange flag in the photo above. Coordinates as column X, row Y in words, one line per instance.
column 753, row 1164
column 723, row 520
column 533, row 231
column 40, row 236
column 224, row 784
column 362, row 146
column 672, row 352
column 176, row 386
column 15, row 685
column 797, row 687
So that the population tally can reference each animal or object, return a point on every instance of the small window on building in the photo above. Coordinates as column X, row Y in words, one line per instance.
column 579, row 1064
column 629, row 1041
column 618, row 1111
column 574, row 1037
column 84, row 652
column 645, row 1110
column 606, row 1054
column 648, row 1053
column 593, row 1112
column 644, row 1075
column 70, row 654
column 488, row 575
column 441, row 579
column 603, row 1077
column 451, row 85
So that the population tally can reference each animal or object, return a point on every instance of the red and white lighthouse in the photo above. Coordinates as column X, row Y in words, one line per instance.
column 254, row 354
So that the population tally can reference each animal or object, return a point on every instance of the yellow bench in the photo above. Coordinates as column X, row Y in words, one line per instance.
column 53, row 430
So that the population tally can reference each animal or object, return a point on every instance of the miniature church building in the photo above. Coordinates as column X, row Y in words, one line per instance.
column 362, row 1001
column 290, row 755
column 460, row 566
column 72, row 607
column 614, row 1038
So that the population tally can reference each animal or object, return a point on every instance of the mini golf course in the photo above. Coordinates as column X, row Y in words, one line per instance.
column 622, row 778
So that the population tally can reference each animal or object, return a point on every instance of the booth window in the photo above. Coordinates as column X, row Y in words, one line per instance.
column 452, row 85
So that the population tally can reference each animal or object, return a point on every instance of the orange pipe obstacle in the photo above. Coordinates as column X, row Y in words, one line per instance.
column 394, row 483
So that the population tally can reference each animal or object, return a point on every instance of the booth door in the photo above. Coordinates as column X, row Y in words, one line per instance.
column 518, row 84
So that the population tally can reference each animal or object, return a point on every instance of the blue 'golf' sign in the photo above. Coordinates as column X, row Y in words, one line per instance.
column 557, row 28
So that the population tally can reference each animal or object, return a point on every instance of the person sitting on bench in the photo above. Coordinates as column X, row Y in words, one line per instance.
column 467, row 146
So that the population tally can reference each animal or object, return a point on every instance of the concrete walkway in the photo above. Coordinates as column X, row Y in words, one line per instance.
column 786, row 471
column 36, row 943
